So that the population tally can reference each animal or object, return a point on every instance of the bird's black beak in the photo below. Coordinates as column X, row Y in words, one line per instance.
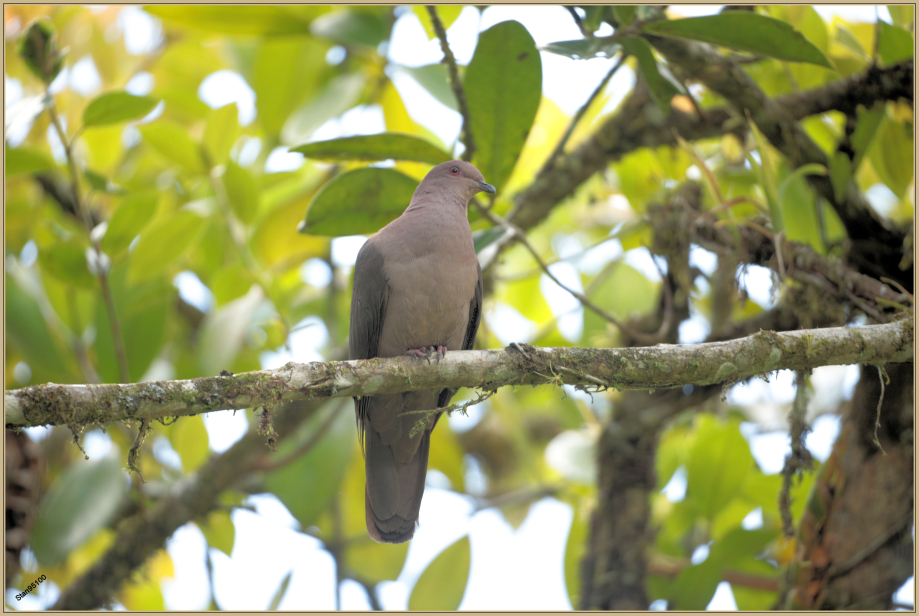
column 487, row 187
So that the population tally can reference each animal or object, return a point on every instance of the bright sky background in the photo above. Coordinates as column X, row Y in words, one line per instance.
column 511, row 570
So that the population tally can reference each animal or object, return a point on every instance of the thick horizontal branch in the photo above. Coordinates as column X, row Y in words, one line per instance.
column 658, row 367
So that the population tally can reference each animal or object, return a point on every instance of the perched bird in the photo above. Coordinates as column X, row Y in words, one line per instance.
column 417, row 291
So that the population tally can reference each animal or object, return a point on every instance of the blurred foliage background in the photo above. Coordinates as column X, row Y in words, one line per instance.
column 151, row 235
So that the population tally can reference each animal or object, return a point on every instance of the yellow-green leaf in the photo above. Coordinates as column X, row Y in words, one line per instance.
column 26, row 160
column 221, row 132
column 219, row 531
column 242, row 191
column 189, row 439
column 172, row 141
column 115, row 107
column 162, row 243
column 442, row 585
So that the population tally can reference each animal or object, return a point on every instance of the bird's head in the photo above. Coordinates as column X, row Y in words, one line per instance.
column 457, row 177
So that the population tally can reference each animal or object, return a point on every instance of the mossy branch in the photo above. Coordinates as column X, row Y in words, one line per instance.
column 658, row 367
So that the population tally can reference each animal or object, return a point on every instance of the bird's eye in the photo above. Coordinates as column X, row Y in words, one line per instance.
column 454, row 170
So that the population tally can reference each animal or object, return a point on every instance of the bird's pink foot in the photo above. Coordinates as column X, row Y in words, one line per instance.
column 425, row 352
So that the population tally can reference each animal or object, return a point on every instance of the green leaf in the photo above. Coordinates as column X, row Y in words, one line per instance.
column 189, row 439
column 141, row 310
column 288, row 71
column 894, row 44
column 256, row 19
column 115, row 107
column 336, row 97
column 279, row 594
column 223, row 332
column 483, row 239
column 305, row 492
column 100, row 183
column 220, row 133
column 219, row 530
column 433, row 78
column 892, row 155
column 172, row 141
column 866, row 128
column 840, row 174
column 849, row 40
column 128, row 220
column 162, row 243
column 745, row 31
column 443, row 583
column 28, row 333
column 695, row 586
column 242, row 191
column 583, row 49
column 574, row 553
column 22, row 160
column 349, row 27
column 447, row 14
column 82, row 499
column 662, row 85
column 39, row 48
column 358, row 202
column 375, row 147
column 766, row 168
column 902, row 15
column 66, row 261
column 624, row 13
column 719, row 460
column 503, row 89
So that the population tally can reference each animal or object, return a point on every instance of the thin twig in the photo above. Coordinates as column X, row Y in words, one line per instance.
column 580, row 113
column 455, row 83
column 882, row 373
column 82, row 211
column 521, row 237
column 581, row 26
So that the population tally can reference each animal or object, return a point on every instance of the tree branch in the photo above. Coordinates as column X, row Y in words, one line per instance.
column 455, row 84
column 658, row 367
column 629, row 129
column 194, row 496
column 877, row 248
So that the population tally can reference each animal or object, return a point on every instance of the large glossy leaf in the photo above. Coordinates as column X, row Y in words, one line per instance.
column 442, row 585
column 82, row 499
column 503, row 86
column 115, row 107
column 358, row 202
column 745, row 31
column 240, row 19
column 718, row 461
column 163, row 242
column 375, row 147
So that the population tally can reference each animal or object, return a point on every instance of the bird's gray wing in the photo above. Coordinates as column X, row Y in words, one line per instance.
column 472, row 328
column 369, row 298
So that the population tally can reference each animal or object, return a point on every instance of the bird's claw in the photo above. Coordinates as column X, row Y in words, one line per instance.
column 425, row 352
